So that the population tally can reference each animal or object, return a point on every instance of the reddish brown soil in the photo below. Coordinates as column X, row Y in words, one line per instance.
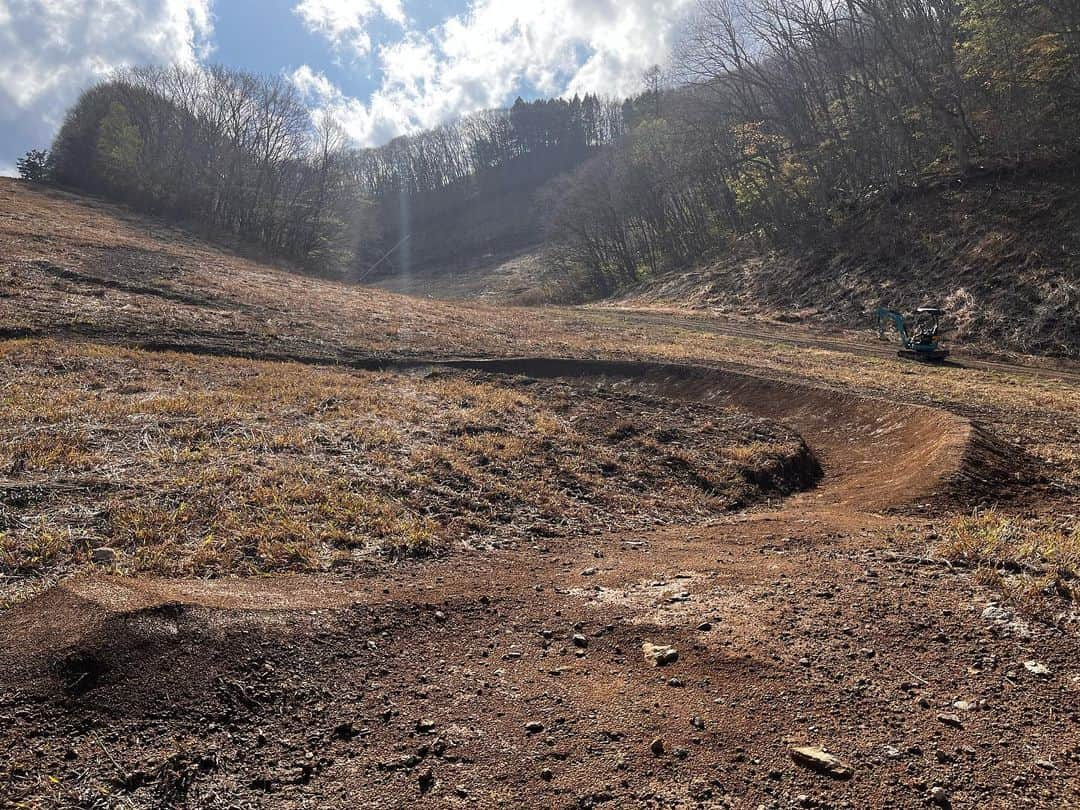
column 458, row 682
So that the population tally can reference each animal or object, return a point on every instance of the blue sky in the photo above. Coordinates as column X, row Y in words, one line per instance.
column 382, row 67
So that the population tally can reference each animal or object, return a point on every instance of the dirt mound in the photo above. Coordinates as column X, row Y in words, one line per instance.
column 125, row 647
column 876, row 454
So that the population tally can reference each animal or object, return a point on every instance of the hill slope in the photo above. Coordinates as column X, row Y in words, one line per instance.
column 1001, row 253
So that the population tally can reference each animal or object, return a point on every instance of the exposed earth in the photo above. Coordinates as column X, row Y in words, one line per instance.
column 679, row 662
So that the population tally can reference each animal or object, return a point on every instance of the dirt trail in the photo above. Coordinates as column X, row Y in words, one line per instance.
column 829, row 338
column 517, row 678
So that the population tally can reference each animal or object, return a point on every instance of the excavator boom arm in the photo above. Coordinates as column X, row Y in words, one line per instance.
column 885, row 317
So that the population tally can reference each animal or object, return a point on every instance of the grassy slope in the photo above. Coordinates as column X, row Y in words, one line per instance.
column 134, row 281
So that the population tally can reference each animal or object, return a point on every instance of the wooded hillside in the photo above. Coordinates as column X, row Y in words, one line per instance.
column 779, row 126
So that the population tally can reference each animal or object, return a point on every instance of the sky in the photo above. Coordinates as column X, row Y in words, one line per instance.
column 382, row 67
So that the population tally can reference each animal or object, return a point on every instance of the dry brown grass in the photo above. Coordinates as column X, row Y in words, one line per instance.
column 193, row 465
column 1032, row 565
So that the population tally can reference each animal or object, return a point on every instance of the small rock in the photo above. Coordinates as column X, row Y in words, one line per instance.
column 677, row 682
column 939, row 796
column 345, row 731
column 963, row 706
column 866, row 652
column 705, row 627
column 547, row 774
column 950, row 720
column 997, row 613
column 425, row 725
column 804, row 662
column 657, row 746
column 440, row 616
column 821, row 761
column 658, row 654
column 1045, row 764
column 534, row 727
column 589, row 572
column 103, row 555
column 427, row 780
column 697, row 723
column 1037, row 669
column 579, row 640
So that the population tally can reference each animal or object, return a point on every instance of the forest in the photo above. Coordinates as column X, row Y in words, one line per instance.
column 774, row 122
column 241, row 154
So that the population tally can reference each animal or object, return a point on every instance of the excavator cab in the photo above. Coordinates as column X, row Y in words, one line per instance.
column 919, row 335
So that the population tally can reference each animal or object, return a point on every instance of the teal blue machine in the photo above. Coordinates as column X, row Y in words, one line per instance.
column 919, row 336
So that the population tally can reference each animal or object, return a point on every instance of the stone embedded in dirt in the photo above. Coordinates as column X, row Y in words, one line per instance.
column 589, row 572
column 103, row 555
column 939, row 796
column 951, row 720
column 705, row 627
column 697, row 723
column 1037, row 669
column 657, row 746
column 534, row 727
column 659, row 654
column 440, row 616
column 547, row 774
column 676, row 682
column 346, row 731
column 963, row 706
column 427, row 780
column 425, row 725
column 819, row 760
column 579, row 640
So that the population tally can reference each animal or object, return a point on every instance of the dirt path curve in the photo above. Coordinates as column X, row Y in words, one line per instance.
column 516, row 678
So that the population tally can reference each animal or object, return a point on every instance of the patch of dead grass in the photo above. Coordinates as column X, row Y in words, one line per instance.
column 193, row 465
column 1034, row 566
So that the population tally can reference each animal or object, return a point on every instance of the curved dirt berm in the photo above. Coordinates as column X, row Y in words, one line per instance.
column 875, row 454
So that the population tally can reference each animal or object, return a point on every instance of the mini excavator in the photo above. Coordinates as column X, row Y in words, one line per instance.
column 919, row 335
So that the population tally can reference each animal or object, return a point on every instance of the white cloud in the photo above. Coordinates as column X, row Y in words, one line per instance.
column 345, row 22
column 51, row 49
column 497, row 49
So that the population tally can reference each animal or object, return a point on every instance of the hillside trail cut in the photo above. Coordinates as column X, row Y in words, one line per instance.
column 517, row 676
